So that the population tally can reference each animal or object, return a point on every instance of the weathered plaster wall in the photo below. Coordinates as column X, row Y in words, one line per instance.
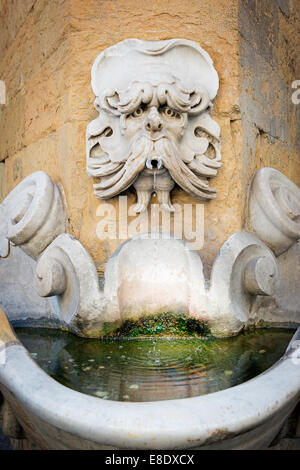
column 269, row 45
column 46, row 53
column 47, row 50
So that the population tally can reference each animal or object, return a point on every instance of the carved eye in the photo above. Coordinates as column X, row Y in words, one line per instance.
column 170, row 113
column 138, row 112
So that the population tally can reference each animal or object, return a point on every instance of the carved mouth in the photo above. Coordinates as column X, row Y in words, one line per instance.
column 155, row 164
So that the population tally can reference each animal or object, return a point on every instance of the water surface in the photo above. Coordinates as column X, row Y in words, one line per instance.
column 150, row 369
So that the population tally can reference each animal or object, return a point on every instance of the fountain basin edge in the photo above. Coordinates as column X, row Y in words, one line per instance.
column 247, row 416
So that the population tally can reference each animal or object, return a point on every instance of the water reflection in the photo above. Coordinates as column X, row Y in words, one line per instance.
column 153, row 369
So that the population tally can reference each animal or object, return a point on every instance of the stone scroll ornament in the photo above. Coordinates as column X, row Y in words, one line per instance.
column 33, row 218
column 32, row 215
column 244, row 269
column 274, row 209
column 154, row 127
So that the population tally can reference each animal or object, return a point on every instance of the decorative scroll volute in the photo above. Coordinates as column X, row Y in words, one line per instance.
column 274, row 209
column 32, row 215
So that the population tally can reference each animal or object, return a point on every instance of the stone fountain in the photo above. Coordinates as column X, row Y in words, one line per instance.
column 154, row 131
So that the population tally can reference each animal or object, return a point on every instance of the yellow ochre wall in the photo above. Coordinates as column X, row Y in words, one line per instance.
column 47, row 49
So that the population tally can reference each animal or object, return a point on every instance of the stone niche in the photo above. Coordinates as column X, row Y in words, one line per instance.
column 153, row 130
column 47, row 52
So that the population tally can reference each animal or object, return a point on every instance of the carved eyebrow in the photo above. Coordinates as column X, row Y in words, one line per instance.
column 134, row 96
column 182, row 100
column 142, row 106
column 141, row 93
column 125, row 101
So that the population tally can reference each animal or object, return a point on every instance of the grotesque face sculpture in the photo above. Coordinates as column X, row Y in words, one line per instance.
column 154, row 128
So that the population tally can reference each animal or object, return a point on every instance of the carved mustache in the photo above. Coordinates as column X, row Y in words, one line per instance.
column 182, row 174
column 143, row 153
column 116, row 179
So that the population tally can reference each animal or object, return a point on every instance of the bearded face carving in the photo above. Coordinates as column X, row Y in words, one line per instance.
column 154, row 127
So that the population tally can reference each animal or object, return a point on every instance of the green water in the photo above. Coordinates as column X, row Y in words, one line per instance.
column 151, row 369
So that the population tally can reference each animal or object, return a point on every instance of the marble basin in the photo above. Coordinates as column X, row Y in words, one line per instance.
column 247, row 416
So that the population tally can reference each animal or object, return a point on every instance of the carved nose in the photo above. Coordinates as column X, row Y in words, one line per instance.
column 153, row 121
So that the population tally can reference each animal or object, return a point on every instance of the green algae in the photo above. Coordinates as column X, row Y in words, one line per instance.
column 161, row 325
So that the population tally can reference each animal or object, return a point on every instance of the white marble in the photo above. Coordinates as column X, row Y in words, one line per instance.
column 274, row 209
column 148, row 275
column 32, row 215
column 247, row 416
column 154, row 127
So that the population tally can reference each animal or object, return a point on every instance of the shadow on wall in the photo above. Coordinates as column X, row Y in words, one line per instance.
column 4, row 442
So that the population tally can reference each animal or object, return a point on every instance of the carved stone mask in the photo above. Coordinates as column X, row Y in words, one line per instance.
column 154, row 128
